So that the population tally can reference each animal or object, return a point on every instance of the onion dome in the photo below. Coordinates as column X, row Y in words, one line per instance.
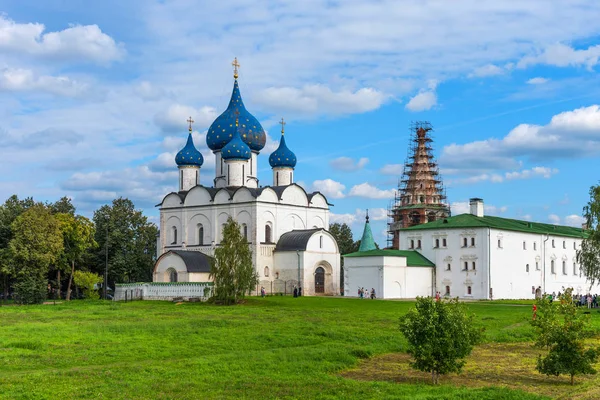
column 282, row 157
column 236, row 149
column 189, row 155
column 222, row 129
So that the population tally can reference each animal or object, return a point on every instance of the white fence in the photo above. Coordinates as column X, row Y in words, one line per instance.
column 163, row 291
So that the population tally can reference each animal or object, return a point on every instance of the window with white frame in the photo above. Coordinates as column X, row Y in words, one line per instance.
column 173, row 235
column 200, row 228
column 537, row 265
column 412, row 243
column 266, row 271
column 574, row 245
column 524, row 245
column 448, row 267
column 447, row 290
column 419, row 244
column 465, row 242
column 535, row 245
column 552, row 269
column 564, row 244
column 437, row 243
column 574, row 268
column 564, row 267
column 472, row 242
column 473, row 265
column 466, row 266
column 526, row 267
column 444, row 242
column 553, row 246
column 469, row 293
column 499, row 243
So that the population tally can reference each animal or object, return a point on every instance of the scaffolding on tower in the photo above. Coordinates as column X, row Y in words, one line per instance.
column 421, row 195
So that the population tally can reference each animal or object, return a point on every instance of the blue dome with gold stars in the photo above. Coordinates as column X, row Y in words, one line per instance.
column 282, row 157
column 236, row 149
column 221, row 131
column 189, row 155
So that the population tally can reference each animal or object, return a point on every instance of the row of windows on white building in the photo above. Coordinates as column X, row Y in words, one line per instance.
column 576, row 270
column 200, row 232
column 443, row 243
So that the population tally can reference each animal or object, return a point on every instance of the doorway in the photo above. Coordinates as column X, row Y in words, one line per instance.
column 320, row 280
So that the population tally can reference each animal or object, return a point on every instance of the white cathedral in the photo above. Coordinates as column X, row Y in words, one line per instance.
column 286, row 227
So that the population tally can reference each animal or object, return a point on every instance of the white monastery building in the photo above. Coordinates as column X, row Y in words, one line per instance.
column 285, row 226
column 472, row 256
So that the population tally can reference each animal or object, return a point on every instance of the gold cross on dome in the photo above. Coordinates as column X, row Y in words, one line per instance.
column 190, row 121
column 236, row 65
column 282, row 123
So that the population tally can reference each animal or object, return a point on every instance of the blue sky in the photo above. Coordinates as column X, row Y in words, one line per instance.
column 94, row 97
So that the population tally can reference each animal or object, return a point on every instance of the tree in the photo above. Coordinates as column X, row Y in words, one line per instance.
column 78, row 237
column 36, row 244
column 86, row 281
column 62, row 206
column 131, row 242
column 440, row 335
column 562, row 331
column 9, row 211
column 589, row 254
column 232, row 270
column 343, row 236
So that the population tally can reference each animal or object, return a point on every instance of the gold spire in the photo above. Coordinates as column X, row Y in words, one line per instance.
column 282, row 122
column 236, row 65
column 190, row 121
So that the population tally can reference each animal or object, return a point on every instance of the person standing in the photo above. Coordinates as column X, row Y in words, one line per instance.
column 299, row 291
column 295, row 291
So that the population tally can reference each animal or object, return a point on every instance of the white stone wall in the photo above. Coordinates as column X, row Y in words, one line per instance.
column 389, row 276
column 283, row 176
column 189, row 177
column 235, row 172
column 162, row 291
column 502, row 268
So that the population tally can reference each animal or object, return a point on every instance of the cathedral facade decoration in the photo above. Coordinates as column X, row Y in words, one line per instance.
column 285, row 226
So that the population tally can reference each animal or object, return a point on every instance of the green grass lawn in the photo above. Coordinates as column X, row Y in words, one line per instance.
column 276, row 347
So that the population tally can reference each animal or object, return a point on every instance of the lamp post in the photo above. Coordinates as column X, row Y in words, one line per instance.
column 106, row 259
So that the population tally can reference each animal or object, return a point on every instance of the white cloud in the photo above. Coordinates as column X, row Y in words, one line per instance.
column 370, row 192
column 175, row 117
column 543, row 172
column 463, row 207
column 422, row 101
column 348, row 164
column 574, row 220
column 75, row 43
column 392, row 169
column 20, row 80
column 562, row 55
column 570, row 134
column 487, row 70
column 554, row 219
column 329, row 188
column 537, row 81
column 358, row 217
column 320, row 99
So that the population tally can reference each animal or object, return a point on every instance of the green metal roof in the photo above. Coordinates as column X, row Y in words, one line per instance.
column 367, row 243
column 413, row 258
column 472, row 221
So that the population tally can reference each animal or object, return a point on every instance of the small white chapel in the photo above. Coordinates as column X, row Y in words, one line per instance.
column 286, row 227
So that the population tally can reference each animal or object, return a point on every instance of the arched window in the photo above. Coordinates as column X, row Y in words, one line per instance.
column 172, row 274
column 412, row 244
column 200, row 234
column 526, row 267
column 268, row 234
column 448, row 267
column 173, row 235
column 469, row 290
column 321, row 241
column 245, row 231
column 552, row 270
column 447, row 290
column 419, row 244
column 266, row 271
column 564, row 267
column 437, row 243
column 465, row 242
column 574, row 268
column 473, row 264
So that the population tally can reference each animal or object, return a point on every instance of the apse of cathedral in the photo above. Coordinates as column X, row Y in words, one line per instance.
column 421, row 196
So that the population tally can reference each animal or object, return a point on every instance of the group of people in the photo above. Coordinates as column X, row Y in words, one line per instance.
column 297, row 291
column 583, row 300
column 364, row 293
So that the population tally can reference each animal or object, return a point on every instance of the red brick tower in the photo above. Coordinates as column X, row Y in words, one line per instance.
column 421, row 197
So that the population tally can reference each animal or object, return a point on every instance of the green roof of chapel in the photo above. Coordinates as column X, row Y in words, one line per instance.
column 472, row 221
column 413, row 258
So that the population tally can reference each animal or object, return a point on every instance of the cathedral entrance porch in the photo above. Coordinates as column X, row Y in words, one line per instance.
column 320, row 281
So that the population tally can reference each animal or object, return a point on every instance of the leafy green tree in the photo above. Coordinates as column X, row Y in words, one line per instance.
column 562, row 331
column 86, row 281
column 9, row 211
column 131, row 242
column 440, row 336
column 36, row 244
column 232, row 270
column 343, row 236
column 78, row 237
column 62, row 206
column 589, row 254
